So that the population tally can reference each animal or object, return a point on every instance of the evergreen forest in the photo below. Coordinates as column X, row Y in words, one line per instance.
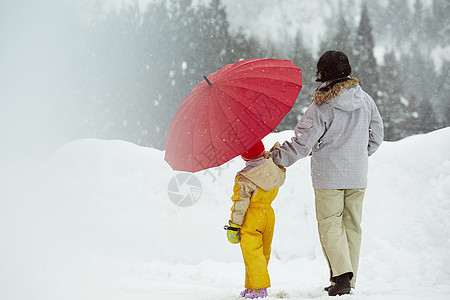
column 132, row 67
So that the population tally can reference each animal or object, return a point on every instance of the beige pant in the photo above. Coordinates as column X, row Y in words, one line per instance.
column 338, row 214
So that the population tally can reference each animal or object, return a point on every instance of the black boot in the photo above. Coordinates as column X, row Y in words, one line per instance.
column 342, row 285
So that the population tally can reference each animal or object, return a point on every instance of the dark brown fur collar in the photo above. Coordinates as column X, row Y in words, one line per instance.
column 323, row 96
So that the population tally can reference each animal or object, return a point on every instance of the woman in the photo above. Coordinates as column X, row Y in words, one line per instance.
column 341, row 128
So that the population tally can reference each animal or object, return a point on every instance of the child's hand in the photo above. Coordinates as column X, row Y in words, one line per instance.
column 277, row 144
column 233, row 232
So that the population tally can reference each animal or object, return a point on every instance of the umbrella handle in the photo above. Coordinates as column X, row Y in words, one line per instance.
column 206, row 78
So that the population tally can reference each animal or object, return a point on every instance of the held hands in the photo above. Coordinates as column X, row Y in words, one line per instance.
column 233, row 232
column 267, row 153
column 277, row 144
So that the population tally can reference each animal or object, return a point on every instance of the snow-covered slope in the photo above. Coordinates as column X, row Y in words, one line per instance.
column 97, row 222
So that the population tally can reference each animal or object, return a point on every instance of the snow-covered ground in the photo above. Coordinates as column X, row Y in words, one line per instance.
column 97, row 222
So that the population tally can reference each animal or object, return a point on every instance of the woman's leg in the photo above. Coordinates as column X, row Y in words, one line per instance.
column 352, row 215
column 329, row 212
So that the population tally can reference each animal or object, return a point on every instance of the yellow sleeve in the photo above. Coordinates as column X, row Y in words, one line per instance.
column 242, row 193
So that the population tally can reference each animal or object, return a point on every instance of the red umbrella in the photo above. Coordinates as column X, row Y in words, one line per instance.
column 228, row 112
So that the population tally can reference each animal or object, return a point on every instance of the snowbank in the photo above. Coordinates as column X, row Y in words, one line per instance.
column 97, row 222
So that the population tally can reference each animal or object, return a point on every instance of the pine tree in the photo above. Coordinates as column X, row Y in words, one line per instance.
column 365, row 66
column 418, row 72
column 343, row 38
column 213, row 36
column 161, row 39
column 155, row 59
column 243, row 47
column 413, row 123
column 428, row 117
column 391, row 91
column 442, row 103
column 113, row 78
column 301, row 57
column 440, row 22
column 398, row 21
column 418, row 15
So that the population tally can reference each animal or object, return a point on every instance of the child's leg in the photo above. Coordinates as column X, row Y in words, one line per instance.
column 247, row 285
column 253, row 252
column 268, row 233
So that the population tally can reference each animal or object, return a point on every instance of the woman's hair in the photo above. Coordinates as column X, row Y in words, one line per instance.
column 333, row 65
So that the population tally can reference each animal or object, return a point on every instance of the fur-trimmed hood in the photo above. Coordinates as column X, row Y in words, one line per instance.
column 346, row 95
column 340, row 134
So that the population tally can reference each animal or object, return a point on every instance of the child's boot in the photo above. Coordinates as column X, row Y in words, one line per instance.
column 245, row 292
column 261, row 293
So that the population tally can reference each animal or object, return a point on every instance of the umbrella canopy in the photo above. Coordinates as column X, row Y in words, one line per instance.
column 231, row 110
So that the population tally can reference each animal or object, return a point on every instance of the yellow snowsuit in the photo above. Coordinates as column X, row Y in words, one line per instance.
column 256, row 186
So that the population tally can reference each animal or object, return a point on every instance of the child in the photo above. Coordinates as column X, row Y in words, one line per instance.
column 252, row 218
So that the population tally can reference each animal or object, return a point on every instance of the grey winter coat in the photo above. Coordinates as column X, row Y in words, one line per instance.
column 341, row 128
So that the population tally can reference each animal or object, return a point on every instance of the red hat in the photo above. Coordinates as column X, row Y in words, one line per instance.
column 254, row 152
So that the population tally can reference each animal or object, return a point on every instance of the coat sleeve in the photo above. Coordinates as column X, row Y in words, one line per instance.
column 376, row 131
column 242, row 192
column 307, row 133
